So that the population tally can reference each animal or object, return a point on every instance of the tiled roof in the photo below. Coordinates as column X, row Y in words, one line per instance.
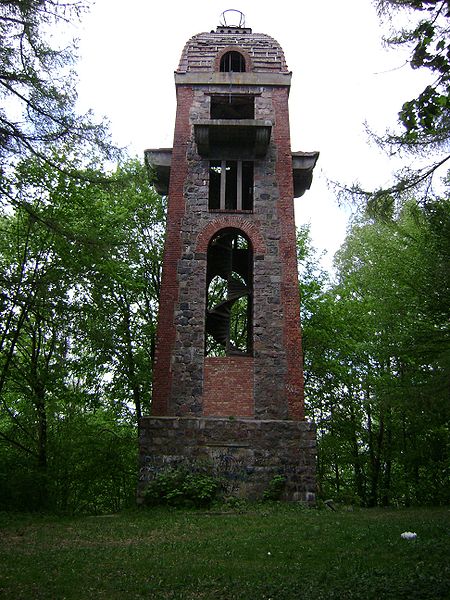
column 200, row 51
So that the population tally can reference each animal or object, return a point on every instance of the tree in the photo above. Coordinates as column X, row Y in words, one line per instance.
column 425, row 120
column 397, row 270
column 79, row 266
column 77, row 310
column 119, row 310
column 38, row 92
column 377, row 361
column 37, row 82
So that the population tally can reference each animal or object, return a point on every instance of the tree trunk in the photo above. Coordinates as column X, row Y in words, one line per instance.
column 39, row 400
column 359, row 481
column 385, row 499
column 337, row 479
column 375, row 443
column 131, row 366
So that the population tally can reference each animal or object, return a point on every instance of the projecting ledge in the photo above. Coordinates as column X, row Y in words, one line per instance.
column 303, row 164
column 158, row 164
column 159, row 161
column 226, row 79
column 232, row 138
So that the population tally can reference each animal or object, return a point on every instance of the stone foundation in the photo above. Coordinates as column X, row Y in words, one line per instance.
column 245, row 453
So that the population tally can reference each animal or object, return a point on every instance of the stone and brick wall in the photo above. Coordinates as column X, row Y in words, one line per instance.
column 289, row 288
column 166, row 332
column 241, row 416
column 179, row 370
column 180, row 367
column 244, row 453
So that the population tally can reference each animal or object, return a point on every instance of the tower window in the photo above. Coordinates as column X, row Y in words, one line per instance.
column 232, row 62
column 231, row 185
column 232, row 107
column 228, row 329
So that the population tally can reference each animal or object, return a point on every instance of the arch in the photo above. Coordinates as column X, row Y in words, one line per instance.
column 231, row 222
column 229, row 293
column 233, row 62
column 235, row 57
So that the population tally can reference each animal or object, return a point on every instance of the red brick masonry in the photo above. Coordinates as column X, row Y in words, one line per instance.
column 228, row 387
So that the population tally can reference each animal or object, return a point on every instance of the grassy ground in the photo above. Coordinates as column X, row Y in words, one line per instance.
column 280, row 552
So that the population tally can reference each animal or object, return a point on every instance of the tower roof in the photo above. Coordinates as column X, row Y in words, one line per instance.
column 201, row 51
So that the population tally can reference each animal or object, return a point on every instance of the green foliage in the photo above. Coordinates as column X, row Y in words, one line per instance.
column 181, row 487
column 425, row 118
column 424, row 121
column 80, row 272
column 275, row 488
column 38, row 84
column 377, row 362
column 90, row 468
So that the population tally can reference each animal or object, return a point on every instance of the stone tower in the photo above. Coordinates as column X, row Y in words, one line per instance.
column 228, row 381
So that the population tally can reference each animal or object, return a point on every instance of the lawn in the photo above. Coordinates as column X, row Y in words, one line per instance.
column 282, row 552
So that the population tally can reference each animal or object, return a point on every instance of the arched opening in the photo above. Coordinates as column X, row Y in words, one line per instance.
column 228, row 329
column 232, row 62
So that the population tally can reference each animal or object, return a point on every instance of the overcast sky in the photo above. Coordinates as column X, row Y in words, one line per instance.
column 342, row 76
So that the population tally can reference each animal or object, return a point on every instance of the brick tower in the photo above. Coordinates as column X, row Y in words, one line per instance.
column 228, row 381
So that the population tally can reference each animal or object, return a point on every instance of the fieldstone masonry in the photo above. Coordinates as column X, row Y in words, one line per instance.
column 245, row 453
column 246, row 407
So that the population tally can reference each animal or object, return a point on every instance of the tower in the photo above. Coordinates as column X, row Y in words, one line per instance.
column 228, row 381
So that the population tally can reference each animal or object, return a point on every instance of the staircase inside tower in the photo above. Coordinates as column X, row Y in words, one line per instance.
column 229, row 293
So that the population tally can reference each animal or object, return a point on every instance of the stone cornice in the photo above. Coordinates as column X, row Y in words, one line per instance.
column 217, row 78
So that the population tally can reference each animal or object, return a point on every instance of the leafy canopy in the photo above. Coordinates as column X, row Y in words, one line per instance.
column 38, row 84
column 424, row 121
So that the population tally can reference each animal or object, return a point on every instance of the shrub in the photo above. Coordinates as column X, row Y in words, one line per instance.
column 275, row 488
column 180, row 487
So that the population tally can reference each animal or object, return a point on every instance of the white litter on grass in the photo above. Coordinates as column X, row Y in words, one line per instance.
column 408, row 535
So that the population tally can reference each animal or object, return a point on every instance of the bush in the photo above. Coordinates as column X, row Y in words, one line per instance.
column 180, row 487
column 91, row 468
column 275, row 488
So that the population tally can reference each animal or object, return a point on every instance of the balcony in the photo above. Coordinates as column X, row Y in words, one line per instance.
column 244, row 139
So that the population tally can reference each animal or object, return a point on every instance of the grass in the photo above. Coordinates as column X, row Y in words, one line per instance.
column 275, row 551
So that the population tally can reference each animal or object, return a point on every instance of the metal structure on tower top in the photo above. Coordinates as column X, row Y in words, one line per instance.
column 232, row 18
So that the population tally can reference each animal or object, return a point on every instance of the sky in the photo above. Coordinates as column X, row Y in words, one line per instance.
column 343, row 76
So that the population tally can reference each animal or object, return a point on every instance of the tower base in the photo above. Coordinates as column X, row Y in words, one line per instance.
column 246, row 454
